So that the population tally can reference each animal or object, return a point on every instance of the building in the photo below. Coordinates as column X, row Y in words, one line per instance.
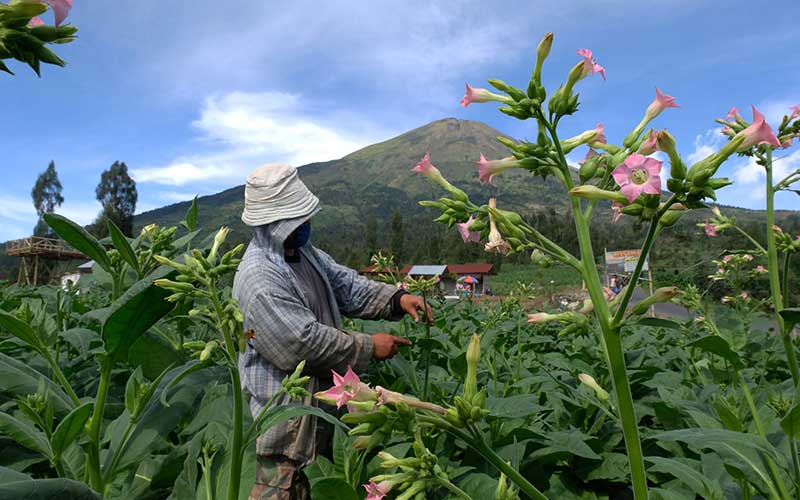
column 455, row 278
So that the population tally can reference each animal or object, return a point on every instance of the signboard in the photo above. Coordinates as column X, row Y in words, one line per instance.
column 624, row 261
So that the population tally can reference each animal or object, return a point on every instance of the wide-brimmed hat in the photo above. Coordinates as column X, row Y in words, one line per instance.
column 275, row 192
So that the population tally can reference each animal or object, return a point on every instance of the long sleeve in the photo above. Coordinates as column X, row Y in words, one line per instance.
column 287, row 332
column 356, row 295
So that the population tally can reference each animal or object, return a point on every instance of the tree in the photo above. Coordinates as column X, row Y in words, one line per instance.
column 398, row 237
column 371, row 235
column 117, row 194
column 46, row 194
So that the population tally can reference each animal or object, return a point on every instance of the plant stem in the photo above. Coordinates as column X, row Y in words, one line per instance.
column 752, row 240
column 774, row 278
column 118, row 452
column 477, row 444
column 60, row 376
column 786, row 258
column 236, row 441
column 94, row 426
column 760, row 429
column 611, row 335
column 428, row 350
column 455, row 489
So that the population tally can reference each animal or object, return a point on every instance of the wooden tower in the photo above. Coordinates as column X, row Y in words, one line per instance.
column 39, row 257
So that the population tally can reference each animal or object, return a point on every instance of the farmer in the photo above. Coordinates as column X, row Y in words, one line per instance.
column 293, row 296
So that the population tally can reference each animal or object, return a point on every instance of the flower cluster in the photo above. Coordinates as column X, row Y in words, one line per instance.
column 784, row 241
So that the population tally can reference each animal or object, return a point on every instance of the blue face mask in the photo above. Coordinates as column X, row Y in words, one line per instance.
column 300, row 236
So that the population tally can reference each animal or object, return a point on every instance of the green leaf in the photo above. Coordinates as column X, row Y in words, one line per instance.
column 279, row 414
column 333, row 488
column 79, row 238
column 69, row 428
column 689, row 476
column 20, row 329
column 19, row 379
column 153, row 354
column 791, row 422
column 191, row 216
column 479, row 485
column 25, row 434
column 135, row 312
column 47, row 489
column 659, row 323
column 519, row 406
column 123, row 246
column 186, row 370
column 715, row 344
column 791, row 316
column 10, row 475
column 181, row 243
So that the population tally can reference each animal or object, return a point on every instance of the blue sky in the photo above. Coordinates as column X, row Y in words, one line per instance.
column 193, row 95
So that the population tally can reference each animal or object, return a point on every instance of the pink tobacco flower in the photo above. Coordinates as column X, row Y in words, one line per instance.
column 795, row 112
column 590, row 65
column 482, row 95
column 377, row 491
column 659, row 104
column 727, row 258
column 650, row 145
column 35, row 21
column 489, row 169
column 345, row 388
column 744, row 295
column 638, row 174
column 425, row 167
column 589, row 154
column 726, row 130
column 540, row 317
column 467, row 235
column 733, row 113
column 710, row 229
column 600, row 138
column 60, row 8
column 617, row 208
column 759, row 132
column 761, row 269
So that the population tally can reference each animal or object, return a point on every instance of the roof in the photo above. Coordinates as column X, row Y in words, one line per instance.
column 470, row 268
column 87, row 265
column 371, row 269
column 428, row 270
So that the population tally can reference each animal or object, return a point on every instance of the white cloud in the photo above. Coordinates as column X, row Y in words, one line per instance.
column 706, row 144
column 18, row 217
column 244, row 130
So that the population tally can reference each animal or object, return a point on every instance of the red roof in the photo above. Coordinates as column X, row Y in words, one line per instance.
column 469, row 268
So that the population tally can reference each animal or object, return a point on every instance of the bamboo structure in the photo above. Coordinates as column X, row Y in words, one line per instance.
column 39, row 257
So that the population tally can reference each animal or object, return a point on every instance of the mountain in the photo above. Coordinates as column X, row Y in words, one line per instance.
column 376, row 180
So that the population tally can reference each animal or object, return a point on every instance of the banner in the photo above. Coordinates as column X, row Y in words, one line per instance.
column 624, row 261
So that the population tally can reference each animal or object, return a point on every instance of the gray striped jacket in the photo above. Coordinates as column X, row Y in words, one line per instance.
column 287, row 332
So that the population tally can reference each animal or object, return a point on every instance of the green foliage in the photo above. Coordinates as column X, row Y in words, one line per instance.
column 46, row 194
column 117, row 194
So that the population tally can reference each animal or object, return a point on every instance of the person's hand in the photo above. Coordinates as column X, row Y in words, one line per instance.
column 413, row 303
column 385, row 345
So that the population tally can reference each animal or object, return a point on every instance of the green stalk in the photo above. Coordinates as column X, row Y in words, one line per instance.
column 236, row 446
column 774, row 278
column 611, row 334
column 427, row 351
column 60, row 376
column 94, row 426
column 118, row 452
column 752, row 240
column 489, row 454
column 795, row 466
column 455, row 489
column 786, row 279
column 760, row 429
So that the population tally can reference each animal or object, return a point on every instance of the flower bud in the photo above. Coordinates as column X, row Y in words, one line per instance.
column 208, row 349
column 591, row 383
column 594, row 193
column 473, row 358
column 670, row 217
column 219, row 239
column 663, row 294
column 542, row 51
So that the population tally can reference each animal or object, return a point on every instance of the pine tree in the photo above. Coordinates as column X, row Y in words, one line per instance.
column 46, row 194
column 398, row 237
column 117, row 194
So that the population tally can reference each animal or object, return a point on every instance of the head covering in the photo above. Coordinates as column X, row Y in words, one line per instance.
column 275, row 192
